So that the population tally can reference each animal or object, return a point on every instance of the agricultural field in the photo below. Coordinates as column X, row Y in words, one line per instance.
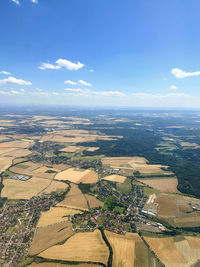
column 81, row 247
column 178, row 251
column 130, row 250
column 55, row 186
column 23, row 189
column 115, row 178
column 123, row 248
column 163, row 184
column 93, row 202
column 180, row 211
column 75, row 136
column 137, row 164
column 78, row 176
column 35, row 169
column 55, row 215
column 51, row 264
column 74, row 199
column 49, row 236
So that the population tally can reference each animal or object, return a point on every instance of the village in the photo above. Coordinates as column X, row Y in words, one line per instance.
column 18, row 222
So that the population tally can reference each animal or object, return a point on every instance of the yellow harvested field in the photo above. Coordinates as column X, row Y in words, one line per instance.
column 55, row 186
column 35, row 169
column 71, row 149
column 92, row 149
column 123, row 248
column 46, row 237
column 93, row 202
column 182, row 253
column 118, row 161
column 18, row 153
column 78, row 176
column 4, row 150
column 82, row 247
column 74, row 199
column 52, row 264
column 177, row 210
column 166, row 251
column 162, row 184
column 55, row 215
column 188, row 220
column 115, row 178
column 135, row 164
column 15, row 189
column 43, row 169
column 194, row 242
column 17, row 144
column 5, row 163
column 60, row 167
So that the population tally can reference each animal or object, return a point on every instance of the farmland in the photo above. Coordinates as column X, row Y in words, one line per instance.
column 115, row 178
column 137, row 164
column 180, row 252
column 82, row 247
column 55, row 215
column 178, row 210
column 77, row 176
column 74, row 199
column 163, row 184
column 78, row 190
column 48, row 236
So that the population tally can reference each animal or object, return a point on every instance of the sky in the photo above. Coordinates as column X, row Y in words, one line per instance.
column 136, row 53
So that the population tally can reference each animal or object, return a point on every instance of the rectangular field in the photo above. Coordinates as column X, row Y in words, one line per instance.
column 163, row 184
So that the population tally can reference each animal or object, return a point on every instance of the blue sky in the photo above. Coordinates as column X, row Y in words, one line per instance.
column 100, row 52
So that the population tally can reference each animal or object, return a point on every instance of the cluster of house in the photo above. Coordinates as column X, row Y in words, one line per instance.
column 18, row 222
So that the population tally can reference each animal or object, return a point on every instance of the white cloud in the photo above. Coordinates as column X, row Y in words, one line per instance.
column 69, row 65
column 70, row 82
column 77, row 90
column 13, row 92
column 62, row 63
column 178, row 73
column 80, row 82
column 22, row 90
column 108, row 93
column 45, row 66
column 5, row 72
column 173, row 87
column 91, row 70
column 34, row 1
column 14, row 80
column 15, row 1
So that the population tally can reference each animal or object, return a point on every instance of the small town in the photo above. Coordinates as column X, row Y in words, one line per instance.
column 18, row 222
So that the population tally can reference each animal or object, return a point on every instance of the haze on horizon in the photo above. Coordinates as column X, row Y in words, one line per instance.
column 100, row 53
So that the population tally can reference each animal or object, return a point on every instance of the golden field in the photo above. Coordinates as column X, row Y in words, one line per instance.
column 46, row 237
column 177, row 210
column 163, row 184
column 78, row 176
column 55, row 186
column 52, row 264
column 74, row 199
column 172, row 253
column 123, row 248
column 15, row 189
column 134, row 163
column 81, row 247
column 115, row 178
column 93, row 201
column 55, row 215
